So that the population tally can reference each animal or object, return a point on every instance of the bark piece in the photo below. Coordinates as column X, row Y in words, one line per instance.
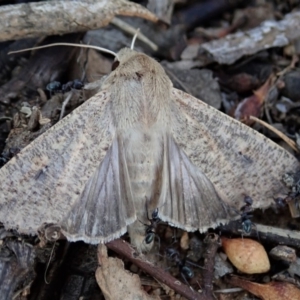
column 60, row 17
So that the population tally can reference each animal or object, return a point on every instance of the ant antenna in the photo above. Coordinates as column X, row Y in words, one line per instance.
column 48, row 264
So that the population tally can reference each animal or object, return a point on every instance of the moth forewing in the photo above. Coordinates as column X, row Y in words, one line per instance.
column 237, row 159
column 73, row 151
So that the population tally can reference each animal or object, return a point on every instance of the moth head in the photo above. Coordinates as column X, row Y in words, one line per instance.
column 131, row 63
column 123, row 56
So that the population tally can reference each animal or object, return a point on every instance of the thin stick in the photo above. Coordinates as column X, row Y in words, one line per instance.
column 131, row 30
column 290, row 142
column 271, row 234
column 212, row 242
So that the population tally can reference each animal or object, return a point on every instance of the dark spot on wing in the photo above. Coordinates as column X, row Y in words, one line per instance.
column 246, row 157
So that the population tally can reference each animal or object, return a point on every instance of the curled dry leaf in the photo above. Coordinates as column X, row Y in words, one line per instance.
column 252, row 106
column 57, row 17
column 246, row 255
column 115, row 282
column 270, row 291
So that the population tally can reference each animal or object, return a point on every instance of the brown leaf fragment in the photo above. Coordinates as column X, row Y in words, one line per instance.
column 270, row 291
column 122, row 248
column 252, row 106
column 60, row 17
column 115, row 282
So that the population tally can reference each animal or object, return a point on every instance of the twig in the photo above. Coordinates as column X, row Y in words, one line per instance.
column 290, row 142
column 121, row 247
column 130, row 29
column 213, row 243
column 271, row 234
column 60, row 17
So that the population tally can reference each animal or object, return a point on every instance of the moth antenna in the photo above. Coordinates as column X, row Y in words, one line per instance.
column 134, row 39
column 66, row 101
column 70, row 45
column 48, row 264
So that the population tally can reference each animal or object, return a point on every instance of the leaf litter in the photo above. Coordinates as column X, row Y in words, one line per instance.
column 272, row 112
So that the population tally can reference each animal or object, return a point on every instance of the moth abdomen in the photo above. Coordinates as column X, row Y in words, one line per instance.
column 142, row 161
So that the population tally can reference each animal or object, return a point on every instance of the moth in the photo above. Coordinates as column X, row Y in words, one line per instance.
column 139, row 139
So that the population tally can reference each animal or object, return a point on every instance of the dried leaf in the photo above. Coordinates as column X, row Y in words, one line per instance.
column 252, row 106
column 115, row 282
column 270, row 291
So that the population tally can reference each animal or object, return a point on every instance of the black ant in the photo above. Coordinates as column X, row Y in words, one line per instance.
column 281, row 202
column 185, row 271
column 75, row 84
column 57, row 87
column 246, row 216
column 292, row 181
column 150, row 232
column 53, row 86
column 151, row 229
